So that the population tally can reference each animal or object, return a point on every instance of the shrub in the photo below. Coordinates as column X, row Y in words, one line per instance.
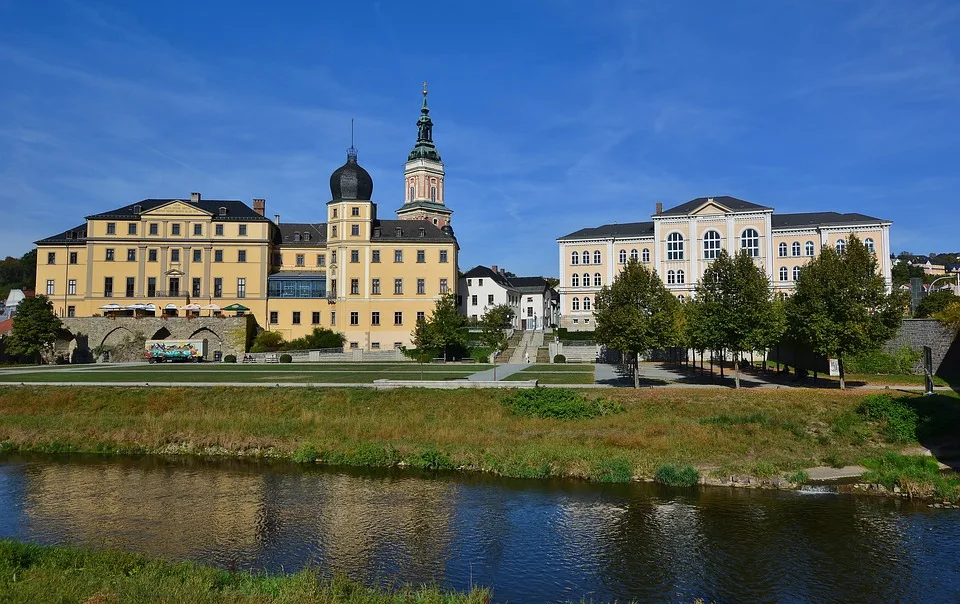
column 559, row 403
column 617, row 469
column 799, row 477
column 877, row 362
column 286, row 358
column 230, row 358
column 306, row 454
column 480, row 355
column 899, row 421
column 366, row 454
column 559, row 359
column 674, row 476
column 917, row 475
column 268, row 341
column 431, row 459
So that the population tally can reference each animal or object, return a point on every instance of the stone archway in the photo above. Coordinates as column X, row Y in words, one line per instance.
column 214, row 340
column 122, row 345
column 161, row 334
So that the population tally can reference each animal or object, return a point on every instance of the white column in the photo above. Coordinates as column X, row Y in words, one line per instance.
column 692, row 262
column 768, row 227
column 885, row 250
column 731, row 236
column 610, row 263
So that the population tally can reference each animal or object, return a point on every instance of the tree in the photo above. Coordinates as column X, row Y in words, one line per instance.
column 492, row 333
column 737, row 305
column 268, row 341
column 841, row 307
column 636, row 314
column 319, row 338
column 950, row 316
column 445, row 328
column 935, row 302
column 35, row 328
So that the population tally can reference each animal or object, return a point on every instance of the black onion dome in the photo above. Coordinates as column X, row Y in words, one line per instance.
column 351, row 181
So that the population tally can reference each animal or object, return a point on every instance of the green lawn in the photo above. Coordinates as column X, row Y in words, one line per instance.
column 266, row 375
column 552, row 377
column 560, row 367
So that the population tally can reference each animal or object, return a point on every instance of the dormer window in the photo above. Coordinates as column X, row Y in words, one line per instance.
column 223, row 211
column 137, row 209
column 306, row 236
column 296, row 236
column 421, row 232
column 399, row 232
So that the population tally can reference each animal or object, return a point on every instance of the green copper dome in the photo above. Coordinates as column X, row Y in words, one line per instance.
column 424, row 149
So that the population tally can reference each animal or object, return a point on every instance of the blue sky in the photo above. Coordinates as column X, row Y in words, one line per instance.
column 550, row 116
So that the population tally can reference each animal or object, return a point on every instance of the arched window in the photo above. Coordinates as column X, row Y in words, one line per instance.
column 296, row 236
column 711, row 245
column 623, row 256
column 597, row 280
column 333, row 231
column 681, row 298
column 680, row 277
column 574, row 258
column 586, row 304
column 671, row 277
column 646, row 255
column 633, row 255
column 575, row 280
column 596, row 257
column 413, row 192
column 841, row 246
column 586, row 279
column 782, row 250
column 674, row 247
column 808, row 248
column 750, row 241
column 586, row 257
column 796, row 273
column 795, row 248
column 783, row 273
column 575, row 304
column 868, row 243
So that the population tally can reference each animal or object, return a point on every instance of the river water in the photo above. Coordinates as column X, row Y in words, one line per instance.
column 531, row 541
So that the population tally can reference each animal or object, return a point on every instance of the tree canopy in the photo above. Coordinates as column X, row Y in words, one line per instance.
column 320, row 337
column 841, row 307
column 35, row 328
column 18, row 273
column 444, row 331
column 636, row 314
column 935, row 302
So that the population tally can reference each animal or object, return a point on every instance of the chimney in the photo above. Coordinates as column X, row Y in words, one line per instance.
column 659, row 207
column 494, row 268
column 276, row 218
column 195, row 197
column 503, row 272
column 259, row 206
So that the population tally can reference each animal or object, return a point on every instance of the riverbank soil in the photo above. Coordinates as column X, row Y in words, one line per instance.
column 35, row 573
column 759, row 432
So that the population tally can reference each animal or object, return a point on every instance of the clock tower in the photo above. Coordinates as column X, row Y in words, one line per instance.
column 423, row 176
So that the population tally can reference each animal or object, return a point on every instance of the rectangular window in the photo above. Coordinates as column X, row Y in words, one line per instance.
column 490, row 299
column 375, row 318
column 301, row 260
column 398, row 318
column 354, row 287
column 421, row 286
column 480, row 282
column 218, row 287
column 274, row 317
column 198, row 255
column 443, row 286
column 72, row 287
column 109, row 254
column 398, row 255
column 355, row 211
column 354, row 256
column 473, row 300
column 397, row 286
column 421, row 316
column 174, row 255
column 334, row 212
column 195, row 287
column 175, row 229
column 152, row 255
column 354, row 345
column 421, row 256
column 321, row 259
column 296, row 317
column 131, row 228
column 333, row 257
column 131, row 284
column 51, row 257
column 73, row 257
column 241, row 287
column 151, row 287
column 354, row 318
column 355, row 230
column 376, row 256
column 242, row 230
column 131, row 255
column 374, row 345
column 49, row 287
column 71, row 311
column 333, row 317
column 218, row 230
column 241, row 255
column 375, row 287
column 198, row 230
column 154, row 228
column 218, row 255
column 443, row 255
column 315, row 318
column 111, row 228
column 174, row 289
column 108, row 287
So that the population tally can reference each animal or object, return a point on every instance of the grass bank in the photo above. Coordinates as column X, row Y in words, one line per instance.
column 38, row 574
column 758, row 432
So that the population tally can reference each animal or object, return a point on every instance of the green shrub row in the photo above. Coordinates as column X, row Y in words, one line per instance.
column 558, row 403
column 877, row 362
column 899, row 421
column 675, row 476
column 916, row 475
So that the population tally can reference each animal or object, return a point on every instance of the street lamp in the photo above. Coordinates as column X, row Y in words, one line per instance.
column 932, row 283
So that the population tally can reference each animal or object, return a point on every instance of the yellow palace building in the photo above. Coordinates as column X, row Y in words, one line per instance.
column 353, row 272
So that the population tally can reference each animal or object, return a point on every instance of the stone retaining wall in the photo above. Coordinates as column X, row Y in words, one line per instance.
column 917, row 333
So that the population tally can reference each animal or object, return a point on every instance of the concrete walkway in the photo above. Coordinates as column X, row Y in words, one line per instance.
column 502, row 372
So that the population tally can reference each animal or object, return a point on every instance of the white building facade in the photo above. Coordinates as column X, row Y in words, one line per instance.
column 481, row 288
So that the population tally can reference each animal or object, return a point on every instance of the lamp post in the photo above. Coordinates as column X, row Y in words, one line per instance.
column 932, row 283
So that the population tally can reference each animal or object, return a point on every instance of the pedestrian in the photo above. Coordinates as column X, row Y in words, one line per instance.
column 526, row 357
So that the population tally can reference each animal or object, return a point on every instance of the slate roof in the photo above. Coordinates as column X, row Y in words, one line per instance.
column 808, row 219
column 76, row 234
column 427, row 205
column 483, row 272
column 623, row 229
column 236, row 210
column 317, row 231
column 530, row 285
column 386, row 230
column 731, row 203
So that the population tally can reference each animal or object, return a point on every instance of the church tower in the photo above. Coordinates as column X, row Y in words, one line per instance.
column 423, row 176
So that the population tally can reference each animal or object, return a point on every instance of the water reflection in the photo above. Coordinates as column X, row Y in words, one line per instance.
column 530, row 540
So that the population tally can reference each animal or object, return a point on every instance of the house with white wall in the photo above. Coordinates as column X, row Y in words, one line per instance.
column 481, row 288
